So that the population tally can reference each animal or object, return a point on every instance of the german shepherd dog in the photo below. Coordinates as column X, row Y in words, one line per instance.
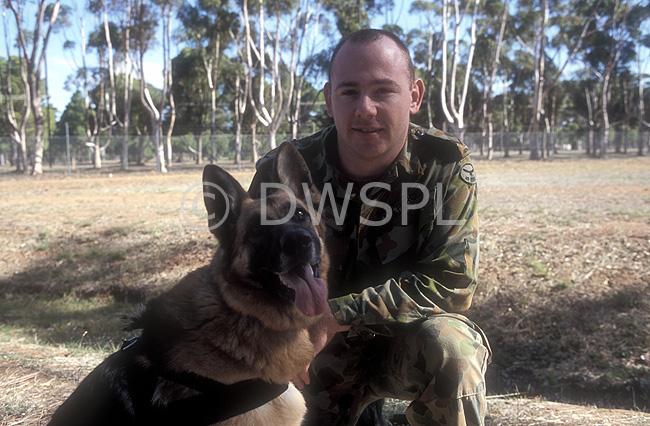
column 222, row 345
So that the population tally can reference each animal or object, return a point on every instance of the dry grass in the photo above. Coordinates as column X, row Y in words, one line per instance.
column 563, row 296
column 565, row 279
column 35, row 377
column 539, row 412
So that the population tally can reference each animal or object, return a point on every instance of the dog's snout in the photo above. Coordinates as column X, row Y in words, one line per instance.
column 295, row 242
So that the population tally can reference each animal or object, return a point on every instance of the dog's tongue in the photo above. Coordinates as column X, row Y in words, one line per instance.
column 311, row 292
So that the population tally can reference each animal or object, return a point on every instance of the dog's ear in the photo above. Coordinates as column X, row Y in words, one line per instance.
column 291, row 170
column 223, row 197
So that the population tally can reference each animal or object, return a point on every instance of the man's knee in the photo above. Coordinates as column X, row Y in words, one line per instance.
column 452, row 352
column 451, row 355
column 454, row 335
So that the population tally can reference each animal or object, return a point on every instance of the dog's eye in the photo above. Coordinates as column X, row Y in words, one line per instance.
column 300, row 214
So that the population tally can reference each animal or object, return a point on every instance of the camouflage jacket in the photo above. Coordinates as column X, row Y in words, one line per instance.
column 401, row 249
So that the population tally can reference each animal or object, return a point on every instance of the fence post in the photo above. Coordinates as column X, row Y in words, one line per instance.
column 67, row 148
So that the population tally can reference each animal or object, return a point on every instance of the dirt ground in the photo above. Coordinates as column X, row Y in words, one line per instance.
column 565, row 278
column 563, row 292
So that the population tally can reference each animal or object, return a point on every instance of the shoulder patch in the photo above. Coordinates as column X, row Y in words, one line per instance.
column 436, row 143
column 467, row 174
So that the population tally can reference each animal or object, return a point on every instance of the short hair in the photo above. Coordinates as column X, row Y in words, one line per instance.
column 367, row 36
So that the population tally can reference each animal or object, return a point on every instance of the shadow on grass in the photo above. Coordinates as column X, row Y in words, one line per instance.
column 587, row 350
column 80, row 291
column 43, row 319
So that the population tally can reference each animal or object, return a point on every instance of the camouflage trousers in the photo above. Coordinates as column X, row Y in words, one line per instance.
column 438, row 364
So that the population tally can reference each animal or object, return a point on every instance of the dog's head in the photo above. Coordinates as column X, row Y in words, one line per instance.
column 271, row 262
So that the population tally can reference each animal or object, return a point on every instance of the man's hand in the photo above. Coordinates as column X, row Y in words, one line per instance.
column 320, row 334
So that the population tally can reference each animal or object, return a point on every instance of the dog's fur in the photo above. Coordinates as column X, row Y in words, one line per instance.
column 244, row 316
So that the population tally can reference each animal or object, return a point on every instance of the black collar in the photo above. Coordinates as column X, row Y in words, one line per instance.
column 215, row 402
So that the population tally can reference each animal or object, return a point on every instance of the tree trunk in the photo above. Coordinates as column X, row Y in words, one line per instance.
column 198, row 155
column 34, row 62
column 17, row 131
column 538, row 99
column 254, row 155
column 142, row 139
column 213, row 118
column 167, row 24
column 99, row 118
column 490, row 144
column 238, row 145
column 170, row 129
column 506, row 121
column 154, row 116
column 641, row 115
column 453, row 103
column 128, row 87
column 271, row 106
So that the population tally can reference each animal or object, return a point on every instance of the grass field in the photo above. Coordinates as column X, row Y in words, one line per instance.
column 564, row 291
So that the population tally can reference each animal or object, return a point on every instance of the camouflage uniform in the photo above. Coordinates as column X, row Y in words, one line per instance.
column 400, row 277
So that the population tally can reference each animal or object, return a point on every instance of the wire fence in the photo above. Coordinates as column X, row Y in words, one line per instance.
column 185, row 149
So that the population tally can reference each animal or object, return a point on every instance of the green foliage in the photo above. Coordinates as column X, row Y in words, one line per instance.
column 207, row 31
column 350, row 16
column 74, row 116
column 17, row 89
column 190, row 92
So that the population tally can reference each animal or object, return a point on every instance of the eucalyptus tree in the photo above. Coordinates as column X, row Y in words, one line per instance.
column 624, row 106
column 144, row 22
column 208, row 25
column 145, row 18
column 108, row 89
column 642, row 61
column 138, row 116
column 88, row 80
column 517, row 74
column 453, row 93
column 15, row 95
column 240, row 104
column 112, row 41
column 121, row 12
column 103, row 40
column 427, row 45
column 591, row 99
column 610, row 49
column 491, row 37
column 273, row 48
column 544, row 27
column 74, row 116
column 128, row 82
column 533, row 23
column 101, row 114
column 310, row 62
column 352, row 15
column 506, row 112
column 167, row 11
column 32, row 48
column 192, row 93
column 241, row 72
column 83, row 78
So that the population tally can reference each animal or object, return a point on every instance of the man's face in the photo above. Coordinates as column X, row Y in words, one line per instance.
column 370, row 97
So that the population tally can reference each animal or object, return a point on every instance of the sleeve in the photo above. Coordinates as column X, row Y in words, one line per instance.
column 441, row 277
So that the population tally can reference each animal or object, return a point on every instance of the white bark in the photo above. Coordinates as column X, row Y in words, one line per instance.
column 17, row 131
column 453, row 100
column 34, row 60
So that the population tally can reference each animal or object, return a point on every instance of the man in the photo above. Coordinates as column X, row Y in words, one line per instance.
column 402, row 231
